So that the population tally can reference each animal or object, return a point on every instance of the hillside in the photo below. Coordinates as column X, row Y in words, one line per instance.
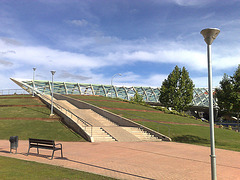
column 26, row 116
column 180, row 129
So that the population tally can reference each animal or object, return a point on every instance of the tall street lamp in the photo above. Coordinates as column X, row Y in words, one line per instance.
column 53, row 72
column 34, row 69
column 209, row 35
column 112, row 81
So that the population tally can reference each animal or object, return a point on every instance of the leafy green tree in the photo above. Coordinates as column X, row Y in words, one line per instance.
column 228, row 95
column 137, row 98
column 225, row 94
column 177, row 90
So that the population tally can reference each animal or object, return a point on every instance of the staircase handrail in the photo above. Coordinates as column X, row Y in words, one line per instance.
column 67, row 110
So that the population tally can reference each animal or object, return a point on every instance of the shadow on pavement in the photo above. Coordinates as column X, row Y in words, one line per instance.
column 104, row 168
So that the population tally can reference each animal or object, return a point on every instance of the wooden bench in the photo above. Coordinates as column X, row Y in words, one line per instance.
column 44, row 144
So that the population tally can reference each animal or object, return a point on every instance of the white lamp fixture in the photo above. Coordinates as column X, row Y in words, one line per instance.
column 34, row 69
column 53, row 72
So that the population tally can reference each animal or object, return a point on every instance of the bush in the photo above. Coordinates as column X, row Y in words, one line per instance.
column 137, row 98
column 174, row 112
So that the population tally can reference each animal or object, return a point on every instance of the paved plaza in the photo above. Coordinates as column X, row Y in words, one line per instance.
column 136, row 160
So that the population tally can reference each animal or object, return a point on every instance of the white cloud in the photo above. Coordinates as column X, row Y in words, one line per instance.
column 5, row 63
column 52, row 58
column 203, row 81
column 226, row 62
column 156, row 80
column 78, row 22
column 129, row 79
column 10, row 41
column 174, row 53
column 6, row 83
column 117, row 52
column 186, row 2
column 71, row 76
column 194, row 59
column 193, row 2
column 208, row 16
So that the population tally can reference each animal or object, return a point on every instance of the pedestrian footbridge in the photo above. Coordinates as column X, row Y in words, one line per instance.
column 149, row 94
column 96, row 124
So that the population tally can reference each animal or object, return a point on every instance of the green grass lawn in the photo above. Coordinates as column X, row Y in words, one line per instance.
column 93, row 97
column 25, row 129
column 19, row 169
column 116, row 103
column 28, row 112
column 16, row 95
column 224, row 139
column 193, row 134
column 156, row 116
column 113, row 103
column 21, row 101
column 120, row 104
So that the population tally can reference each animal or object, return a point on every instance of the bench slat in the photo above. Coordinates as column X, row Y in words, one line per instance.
column 41, row 146
column 42, row 141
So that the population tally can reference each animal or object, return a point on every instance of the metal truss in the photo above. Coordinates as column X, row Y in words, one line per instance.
column 149, row 94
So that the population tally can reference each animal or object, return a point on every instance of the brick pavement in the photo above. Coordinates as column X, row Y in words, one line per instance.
column 136, row 160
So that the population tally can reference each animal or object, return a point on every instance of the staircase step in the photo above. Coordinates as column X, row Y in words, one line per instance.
column 143, row 136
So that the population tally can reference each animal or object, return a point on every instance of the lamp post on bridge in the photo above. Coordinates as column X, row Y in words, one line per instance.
column 34, row 69
column 53, row 72
column 209, row 35
column 112, row 81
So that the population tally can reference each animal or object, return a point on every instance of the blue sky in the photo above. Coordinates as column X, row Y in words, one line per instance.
column 88, row 41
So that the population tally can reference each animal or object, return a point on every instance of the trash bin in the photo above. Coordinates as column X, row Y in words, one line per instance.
column 13, row 143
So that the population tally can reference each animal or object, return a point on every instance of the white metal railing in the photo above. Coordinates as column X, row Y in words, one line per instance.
column 71, row 115
column 12, row 91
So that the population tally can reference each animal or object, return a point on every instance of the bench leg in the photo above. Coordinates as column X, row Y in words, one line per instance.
column 52, row 155
column 37, row 151
column 61, row 154
column 28, row 151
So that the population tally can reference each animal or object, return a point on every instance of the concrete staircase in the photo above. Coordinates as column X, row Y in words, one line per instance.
column 96, row 122
column 99, row 135
column 140, row 134
column 99, row 128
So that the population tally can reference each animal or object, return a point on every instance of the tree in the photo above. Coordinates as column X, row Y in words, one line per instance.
column 177, row 90
column 137, row 98
column 225, row 94
column 228, row 95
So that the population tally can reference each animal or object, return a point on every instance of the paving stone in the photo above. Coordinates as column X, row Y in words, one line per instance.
column 137, row 160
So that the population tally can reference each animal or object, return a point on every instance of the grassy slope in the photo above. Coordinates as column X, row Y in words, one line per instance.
column 31, row 128
column 194, row 134
column 19, row 169
column 20, row 101
column 37, row 129
column 33, row 112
